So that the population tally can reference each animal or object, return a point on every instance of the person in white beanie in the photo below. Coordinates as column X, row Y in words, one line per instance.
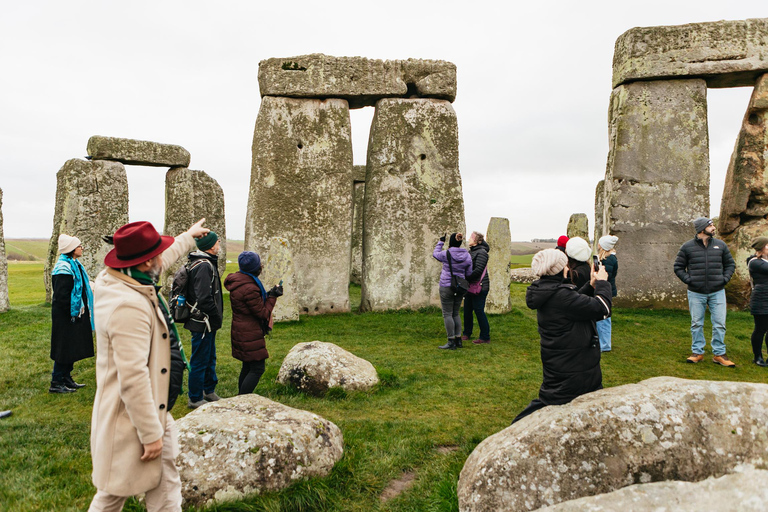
column 570, row 351
column 71, row 315
column 579, row 269
column 607, row 255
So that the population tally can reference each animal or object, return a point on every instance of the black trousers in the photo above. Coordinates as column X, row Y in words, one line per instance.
column 532, row 407
column 758, row 335
column 250, row 375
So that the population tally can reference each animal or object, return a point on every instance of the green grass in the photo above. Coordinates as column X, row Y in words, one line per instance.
column 26, row 249
column 520, row 260
column 428, row 399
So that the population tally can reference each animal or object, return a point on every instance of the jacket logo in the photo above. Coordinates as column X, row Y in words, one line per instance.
column 715, row 247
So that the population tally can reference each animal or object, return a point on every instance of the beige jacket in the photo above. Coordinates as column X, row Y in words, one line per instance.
column 133, row 357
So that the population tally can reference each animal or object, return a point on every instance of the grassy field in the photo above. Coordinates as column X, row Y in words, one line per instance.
column 432, row 408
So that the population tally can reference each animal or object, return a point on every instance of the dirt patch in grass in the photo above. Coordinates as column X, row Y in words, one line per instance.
column 446, row 449
column 397, row 487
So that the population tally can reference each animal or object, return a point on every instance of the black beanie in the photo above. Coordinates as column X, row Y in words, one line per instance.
column 456, row 239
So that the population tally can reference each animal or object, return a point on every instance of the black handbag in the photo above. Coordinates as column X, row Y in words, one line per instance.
column 459, row 285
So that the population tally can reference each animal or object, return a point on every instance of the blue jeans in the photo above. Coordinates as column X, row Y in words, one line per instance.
column 476, row 304
column 697, row 303
column 604, row 333
column 202, row 373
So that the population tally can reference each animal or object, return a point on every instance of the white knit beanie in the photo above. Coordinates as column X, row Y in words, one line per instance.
column 548, row 262
column 607, row 242
column 578, row 249
column 68, row 243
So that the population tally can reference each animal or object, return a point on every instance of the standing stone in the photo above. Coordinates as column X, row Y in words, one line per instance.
column 599, row 213
column 278, row 266
column 657, row 182
column 301, row 191
column 500, row 240
column 412, row 197
column 137, row 152
column 578, row 225
column 744, row 207
column 91, row 201
column 190, row 196
column 358, row 199
column 4, row 302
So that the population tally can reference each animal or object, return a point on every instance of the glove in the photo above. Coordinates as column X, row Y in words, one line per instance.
column 442, row 238
column 73, row 319
column 276, row 291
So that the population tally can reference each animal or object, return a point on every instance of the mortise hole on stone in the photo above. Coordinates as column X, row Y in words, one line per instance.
column 753, row 119
column 331, row 306
column 300, row 145
column 317, row 308
column 412, row 92
column 423, row 156
column 306, row 310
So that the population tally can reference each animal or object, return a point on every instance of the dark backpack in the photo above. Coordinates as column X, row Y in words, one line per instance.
column 181, row 311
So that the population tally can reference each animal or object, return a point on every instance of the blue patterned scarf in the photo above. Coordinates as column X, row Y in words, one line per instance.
column 71, row 267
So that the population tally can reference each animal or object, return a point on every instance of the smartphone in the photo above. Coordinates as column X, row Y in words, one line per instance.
column 280, row 283
column 595, row 263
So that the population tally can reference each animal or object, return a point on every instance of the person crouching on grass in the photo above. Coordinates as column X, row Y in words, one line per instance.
column 570, row 349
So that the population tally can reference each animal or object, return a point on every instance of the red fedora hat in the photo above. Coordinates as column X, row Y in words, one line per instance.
column 136, row 243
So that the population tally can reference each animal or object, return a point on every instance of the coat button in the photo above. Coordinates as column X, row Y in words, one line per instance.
column 165, row 335
column 164, row 370
column 162, row 406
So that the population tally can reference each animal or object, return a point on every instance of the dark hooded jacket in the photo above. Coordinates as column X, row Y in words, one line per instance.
column 250, row 316
column 205, row 290
column 758, row 272
column 705, row 269
column 479, row 254
column 570, row 349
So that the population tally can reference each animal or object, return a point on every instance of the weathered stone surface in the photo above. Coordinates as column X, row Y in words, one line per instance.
column 190, row 196
column 499, row 239
column 249, row 444
column 660, row 429
column 744, row 207
column 4, row 302
column 137, row 152
column 316, row 366
column 657, row 182
column 301, row 190
column 599, row 213
column 578, row 225
column 412, row 197
column 91, row 201
column 278, row 266
column 745, row 491
column 522, row 275
column 724, row 53
column 358, row 80
column 358, row 202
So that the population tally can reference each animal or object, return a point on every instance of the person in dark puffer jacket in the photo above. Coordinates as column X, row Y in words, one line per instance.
column 705, row 264
column 758, row 302
column 251, row 310
column 475, row 303
column 570, row 350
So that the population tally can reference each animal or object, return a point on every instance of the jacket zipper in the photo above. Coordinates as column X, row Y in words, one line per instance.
column 706, row 266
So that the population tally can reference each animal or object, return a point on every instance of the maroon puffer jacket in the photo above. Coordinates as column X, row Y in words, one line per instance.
column 249, row 314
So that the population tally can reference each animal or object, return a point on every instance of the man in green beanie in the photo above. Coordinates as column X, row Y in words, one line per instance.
column 204, row 293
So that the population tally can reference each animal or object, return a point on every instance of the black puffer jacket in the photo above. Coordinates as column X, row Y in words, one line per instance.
column 705, row 269
column 479, row 255
column 758, row 271
column 570, row 349
column 205, row 289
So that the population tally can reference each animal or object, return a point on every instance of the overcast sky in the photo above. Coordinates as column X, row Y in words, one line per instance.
column 533, row 88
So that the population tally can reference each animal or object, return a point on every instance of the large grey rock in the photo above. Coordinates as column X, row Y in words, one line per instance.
column 190, row 196
column 499, row 239
column 599, row 213
column 660, row 429
column 744, row 207
column 4, row 302
column 578, row 226
column 724, row 53
column 301, row 190
column 137, row 152
column 746, row 491
column 358, row 80
column 317, row 366
column 412, row 197
column 278, row 266
column 358, row 201
column 523, row 275
column 249, row 444
column 657, row 182
column 91, row 201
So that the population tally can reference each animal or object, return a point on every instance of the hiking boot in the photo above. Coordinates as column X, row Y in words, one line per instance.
column 195, row 405
column 480, row 341
column 451, row 345
column 759, row 361
column 457, row 342
column 724, row 361
column 60, row 387
column 211, row 397
column 70, row 383
column 695, row 358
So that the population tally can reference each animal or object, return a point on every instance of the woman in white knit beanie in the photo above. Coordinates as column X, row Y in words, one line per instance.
column 607, row 255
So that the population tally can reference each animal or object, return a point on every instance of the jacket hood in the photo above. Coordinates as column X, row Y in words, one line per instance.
column 197, row 255
column 542, row 290
column 237, row 279
column 459, row 255
column 482, row 244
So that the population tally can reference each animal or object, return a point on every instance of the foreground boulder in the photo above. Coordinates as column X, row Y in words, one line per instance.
column 739, row 492
column 659, row 429
column 316, row 366
column 249, row 444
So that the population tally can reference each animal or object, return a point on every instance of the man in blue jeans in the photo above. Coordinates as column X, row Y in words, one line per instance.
column 705, row 264
column 204, row 291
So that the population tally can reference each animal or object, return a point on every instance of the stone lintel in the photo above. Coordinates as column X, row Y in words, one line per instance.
column 137, row 152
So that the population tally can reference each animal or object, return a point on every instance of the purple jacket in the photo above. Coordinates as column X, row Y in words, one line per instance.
column 460, row 260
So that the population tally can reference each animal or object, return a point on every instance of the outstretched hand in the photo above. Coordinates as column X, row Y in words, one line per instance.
column 197, row 230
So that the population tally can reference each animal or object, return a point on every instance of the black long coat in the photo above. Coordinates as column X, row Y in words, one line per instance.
column 70, row 342
column 570, row 350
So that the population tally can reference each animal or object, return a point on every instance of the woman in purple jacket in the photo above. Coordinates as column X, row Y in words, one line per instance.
column 461, row 262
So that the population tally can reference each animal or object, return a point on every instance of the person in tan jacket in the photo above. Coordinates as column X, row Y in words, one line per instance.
column 138, row 360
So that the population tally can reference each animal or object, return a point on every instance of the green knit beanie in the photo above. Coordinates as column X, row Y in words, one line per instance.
column 207, row 241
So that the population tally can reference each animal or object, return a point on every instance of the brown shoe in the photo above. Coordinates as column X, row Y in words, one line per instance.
column 724, row 361
column 695, row 358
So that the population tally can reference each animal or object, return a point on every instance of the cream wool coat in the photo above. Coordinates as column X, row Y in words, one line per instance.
column 133, row 358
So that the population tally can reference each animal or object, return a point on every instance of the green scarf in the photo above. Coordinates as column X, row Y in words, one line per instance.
column 143, row 278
